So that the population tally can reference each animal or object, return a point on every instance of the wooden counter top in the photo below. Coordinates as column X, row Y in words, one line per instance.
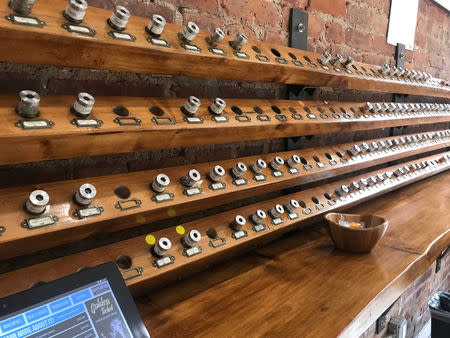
column 301, row 286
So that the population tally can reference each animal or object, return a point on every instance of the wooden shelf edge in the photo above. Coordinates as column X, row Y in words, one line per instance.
column 295, row 118
column 18, row 240
column 139, row 251
column 52, row 45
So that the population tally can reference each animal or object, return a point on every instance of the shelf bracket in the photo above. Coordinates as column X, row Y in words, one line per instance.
column 298, row 38
column 400, row 52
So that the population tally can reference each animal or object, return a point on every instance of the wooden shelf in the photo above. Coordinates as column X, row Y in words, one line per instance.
column 53, row 45
column 303, row 284
column 318, row 164
column 138, row 249
column 65, row 140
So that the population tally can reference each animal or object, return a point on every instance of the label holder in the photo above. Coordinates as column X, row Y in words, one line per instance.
column 78, row 29
column 132, row 203
column 24, row 20
column 39, row 222
column 34, row 124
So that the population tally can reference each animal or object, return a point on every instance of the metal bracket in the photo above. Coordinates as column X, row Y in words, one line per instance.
column 400, row 52
column 298, row 38
column 298, row 29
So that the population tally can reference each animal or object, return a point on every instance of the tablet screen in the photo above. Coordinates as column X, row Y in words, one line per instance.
column 88, row 311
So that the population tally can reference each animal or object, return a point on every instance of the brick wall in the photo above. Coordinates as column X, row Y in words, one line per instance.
column 413, row 303
column 348, row 27
column 352, row 27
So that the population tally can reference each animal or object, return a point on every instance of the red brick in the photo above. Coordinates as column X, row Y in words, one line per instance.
column 421, row 58
column 382, row 5
column 344, row 50
column 377, row 22
column 356, row 14
column 334, row 32
column 276, row 38
column 286, row 6
column 233, row 29
column 315, row 26
column 374, row 59
column 421, row 39
column 333, row 7
column 380, row 45
column 259, row 11
column 422, row 23
column 433, row 45
column 436, row 61
column 148, row 9
column 204, row 21
column 299, row 4
column 356, row 39
column 203, row 5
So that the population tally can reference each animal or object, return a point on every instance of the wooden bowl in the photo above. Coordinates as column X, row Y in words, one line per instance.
column 356, row 240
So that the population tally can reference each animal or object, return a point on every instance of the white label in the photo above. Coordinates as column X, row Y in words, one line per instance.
column 321, row 165
column 194, row 119
column 86, row 123
column 277, row 221
column 218, row 51
column 293, row 171
column 240, row 181
column 277, row 173
column 79, row 29
column 217, row 186
column 40, row 222
column 34, row 124
column 311, row 116
column 293, row 215
column 239, row 234
column 259, row 227
column 192, row 191
column 25, row 20
column 159, row 42
column 123, row 36
column 192, row 48
column 242, row 55
column 220, row 119
column 259, row 178
column 163, row 262
column 88, row 212
column 163, row 197
column 192, row 251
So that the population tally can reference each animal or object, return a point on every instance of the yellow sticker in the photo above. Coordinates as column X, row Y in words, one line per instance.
column 150, row 239
column 180, row 230
column 171, row 213
column 140, row 219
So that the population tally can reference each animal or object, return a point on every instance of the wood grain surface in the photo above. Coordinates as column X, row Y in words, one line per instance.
column 53, row 45
column 65, row 140
column 302, row 286
column 17, row 240
column 277, row 288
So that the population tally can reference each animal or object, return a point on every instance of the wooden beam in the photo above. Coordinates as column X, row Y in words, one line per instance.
column 66, row 140
column 53, row 45
column 318, row 163
column 139, row 251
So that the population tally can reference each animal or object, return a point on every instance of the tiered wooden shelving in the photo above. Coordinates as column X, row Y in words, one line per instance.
column 157, row 123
